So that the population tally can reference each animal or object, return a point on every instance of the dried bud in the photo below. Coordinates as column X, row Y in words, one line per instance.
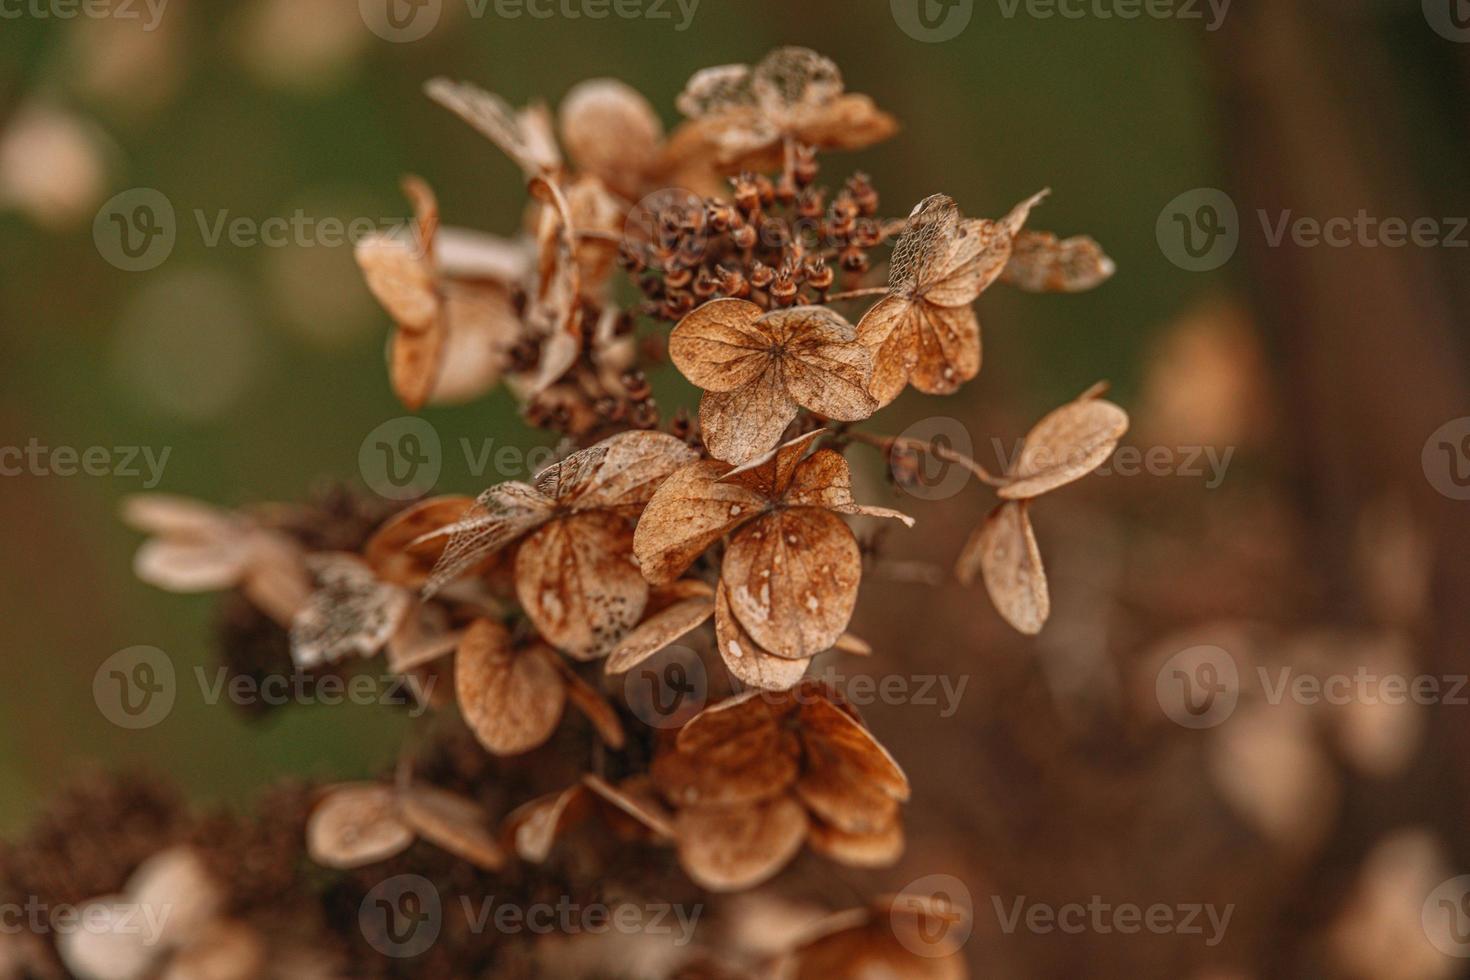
column 732, row 282
column 745, row 236
column 854, row 259
column 761, row 275
column 863, row 194
column 747, row 193
column 819, row 275
column 811, row 203
column 806, row 164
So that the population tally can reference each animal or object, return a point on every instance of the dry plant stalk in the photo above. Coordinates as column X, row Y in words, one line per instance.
column 652, row 530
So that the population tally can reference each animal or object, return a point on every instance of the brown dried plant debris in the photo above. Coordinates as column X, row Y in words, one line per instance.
column 897, row 937
column 632, row 810
column 456, row 321
column 1062, row 448
column 351, row 612
column 358, row 824
column 757, row 369
column 574, row 570
column 747, row 114
column 1041, row 263
column 754, row 777
column 196, row 547
column 924, row 332
column 790, row 573
column 512, row 697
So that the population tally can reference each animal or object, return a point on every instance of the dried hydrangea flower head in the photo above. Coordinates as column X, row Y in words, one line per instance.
column 755, row 777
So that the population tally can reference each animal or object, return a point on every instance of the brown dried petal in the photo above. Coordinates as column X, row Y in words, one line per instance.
column 1040, row 263
column 740, row 425
column 500, row 515
column 1065, row 446
column 1004, row 551
column 610, row 130
column 586, row 699
column 173, row 515
column 879, row 848
column 731, row 848
column 719, row 346
column 193, row 564
column 398, row 552
column 745, row 659
column 634, row 797
column 356, row 824
column 533, row 828
column 620, row 473
column 452, row 822
column 511, row 699
column 576, row 579
column 690, row 511
column 846, row 769
column 519, row 135
column 658, row 631
column 350, row 613
column 423, row 637
column 935, row 347
column 793, row 580
column 824, row 480
column 401, row 277
column 414, row 359
column 725, row 721
column 481, row 326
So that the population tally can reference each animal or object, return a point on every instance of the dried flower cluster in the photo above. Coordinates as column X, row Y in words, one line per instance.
column 648, row 529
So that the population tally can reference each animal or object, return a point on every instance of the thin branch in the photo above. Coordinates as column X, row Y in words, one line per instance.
column 857, row 293
column 889, row 443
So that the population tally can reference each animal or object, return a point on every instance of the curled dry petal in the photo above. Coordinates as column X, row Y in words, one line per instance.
column 850, row 780
column 879, row 848
column 792, row 578
column 1003, row 550
column 351, row 612
column 689, row 512
column 745, row 659
column 634, row 799
column 524, row 137
column 586, row 699
column 1040, row 263
column 511, row 699
column 576, row 579
column 533, row 828
column 356, row 824
column 453, row 823
column 732, row 848
column 824, row 480
column 423, row 637
column 757, row 368
column 500, row 516
column 658, row 631
column 400, row 276
column 611, row 130
column 1065, row 446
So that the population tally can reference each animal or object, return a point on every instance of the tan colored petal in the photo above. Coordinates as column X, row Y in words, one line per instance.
column 823, row 368
column 589, row 701
column 401, row 278
column 721, row 346
column 511, row 699
column 500, row 515
column 398, row 552
column 577, row 581
column 658, row 631
column 848, row 778
column 745, row 659
column 452, row 822
column 610, row 129
column 971, row 262
column 793, row 579
column 481, row 327
column 723, row 722
column 740, row 425
column 476, row 258
column 890, row 329
column 1065, row 446
column 1004, row 551
column 414, row 359
column 521, row 136
column 620, row 473
column 350, row 613
column 755, row 764
column 824, row 480
column 947, row 345
column 770, row 474
column 1040, row 263
column 356, row 824
column 533, row 828
column 423, row 637
column 855, row 645
column 850, row 122
column 193, row 565
column 690, row 511
column 879, row 848
column 171, row 514
column 731, row 848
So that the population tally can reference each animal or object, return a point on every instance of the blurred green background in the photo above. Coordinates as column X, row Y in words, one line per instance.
column 262, row 368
